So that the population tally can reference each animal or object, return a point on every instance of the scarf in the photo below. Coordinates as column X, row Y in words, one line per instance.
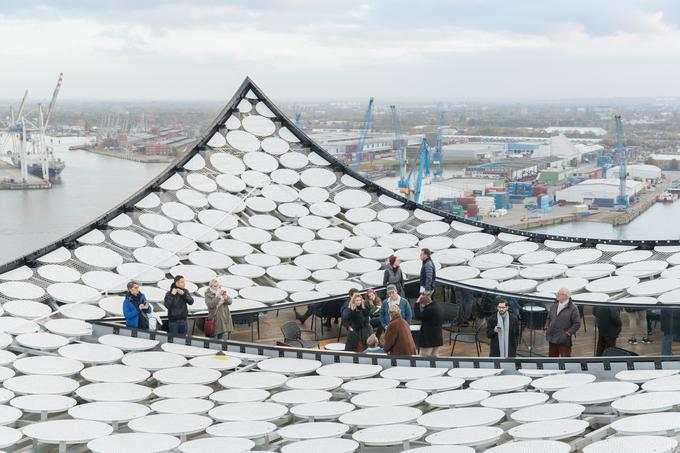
column 217, row 293
column 136, row 300
column 503, row 335
column 561, row 306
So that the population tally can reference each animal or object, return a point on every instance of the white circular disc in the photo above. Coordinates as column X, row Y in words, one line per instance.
column 26, row 309
column 91, row 353
column 242, row 141
column 59, row 255
column 352, row 198
column 318, row 177
column 115, row 373
column 327, row 210
column 58, row 273
column 33, row 384
column 474, row 241
column 260, row 161
column 120, row 221
column 154, row 360
column 258, row 125
column 294, row 160
column 69, row 293
column 313, row 194
column 579, row 256
column 631, row 256
column 591, row 271
column 275, row 146
column 67, row 431
column 227, row 164
column 137, row 442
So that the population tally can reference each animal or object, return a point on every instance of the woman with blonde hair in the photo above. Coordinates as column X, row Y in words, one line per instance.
column 358, row 328
column 218, row 302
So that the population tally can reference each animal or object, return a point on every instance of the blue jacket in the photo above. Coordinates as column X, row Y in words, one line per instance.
column 131, row 312
column 404, row 306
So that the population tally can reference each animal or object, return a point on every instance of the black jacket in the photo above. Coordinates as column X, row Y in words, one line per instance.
column 670, row 321
column 608, row 321
column 513, row 324
column 394, row 276
column 177, row 305
column 428, row 275
column 358, row 320
column 431, row 318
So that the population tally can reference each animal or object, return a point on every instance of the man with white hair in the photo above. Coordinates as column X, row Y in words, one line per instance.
column 563, row 322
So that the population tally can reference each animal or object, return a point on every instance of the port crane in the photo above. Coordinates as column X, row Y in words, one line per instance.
column 366, row 125
column 401, row 152
column 415, row 180
column 622, row 199
column 437, row 156
column 21, row 130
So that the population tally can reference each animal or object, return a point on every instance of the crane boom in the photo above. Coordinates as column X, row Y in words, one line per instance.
column 401, row 152
column 21, row 106
column 53, row 101
column 622, row 199
column 423, row 169
column 366, row 125
column 437, row 157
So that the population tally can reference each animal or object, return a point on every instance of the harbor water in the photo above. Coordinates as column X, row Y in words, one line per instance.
column 90, row 185
column 661, row 221
column 93, row 183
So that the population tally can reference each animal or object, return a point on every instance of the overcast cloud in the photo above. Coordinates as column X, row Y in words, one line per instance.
column 328, row 49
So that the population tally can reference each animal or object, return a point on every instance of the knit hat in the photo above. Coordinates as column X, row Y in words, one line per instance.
column 392, row 259
column 391, row 288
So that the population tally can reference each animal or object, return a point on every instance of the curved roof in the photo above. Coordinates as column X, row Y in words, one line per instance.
column 259, row 205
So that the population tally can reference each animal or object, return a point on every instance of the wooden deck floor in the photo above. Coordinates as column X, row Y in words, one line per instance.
column 584, row 344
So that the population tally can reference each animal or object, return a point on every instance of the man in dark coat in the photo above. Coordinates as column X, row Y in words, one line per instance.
column 431, row 317
column 562, row 323
column 177, row 301
column 670, row 326
column 502, row 329
column 428, row 273
column 608, row 322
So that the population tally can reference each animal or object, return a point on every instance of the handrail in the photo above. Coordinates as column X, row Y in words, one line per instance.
column 599, row 363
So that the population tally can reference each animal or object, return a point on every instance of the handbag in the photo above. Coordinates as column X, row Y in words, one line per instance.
column 209, row 327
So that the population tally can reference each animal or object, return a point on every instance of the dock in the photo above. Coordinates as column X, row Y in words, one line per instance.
column 136, row 157
column 10, row 179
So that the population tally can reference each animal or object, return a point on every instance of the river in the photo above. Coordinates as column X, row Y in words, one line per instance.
column 661, row 221
column 90, row 185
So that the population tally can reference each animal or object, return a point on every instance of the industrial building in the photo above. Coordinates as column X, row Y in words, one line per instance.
column 512, row 169
column 602, row 192
column 338, row 142
column 561, row 146
column 470, row 152
column 597, row 131
column 643, row 172
column 556, row 176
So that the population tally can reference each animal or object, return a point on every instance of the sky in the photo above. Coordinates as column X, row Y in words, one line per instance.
column 341, row 49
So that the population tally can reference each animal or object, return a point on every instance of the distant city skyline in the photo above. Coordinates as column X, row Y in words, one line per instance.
column 318, row 50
